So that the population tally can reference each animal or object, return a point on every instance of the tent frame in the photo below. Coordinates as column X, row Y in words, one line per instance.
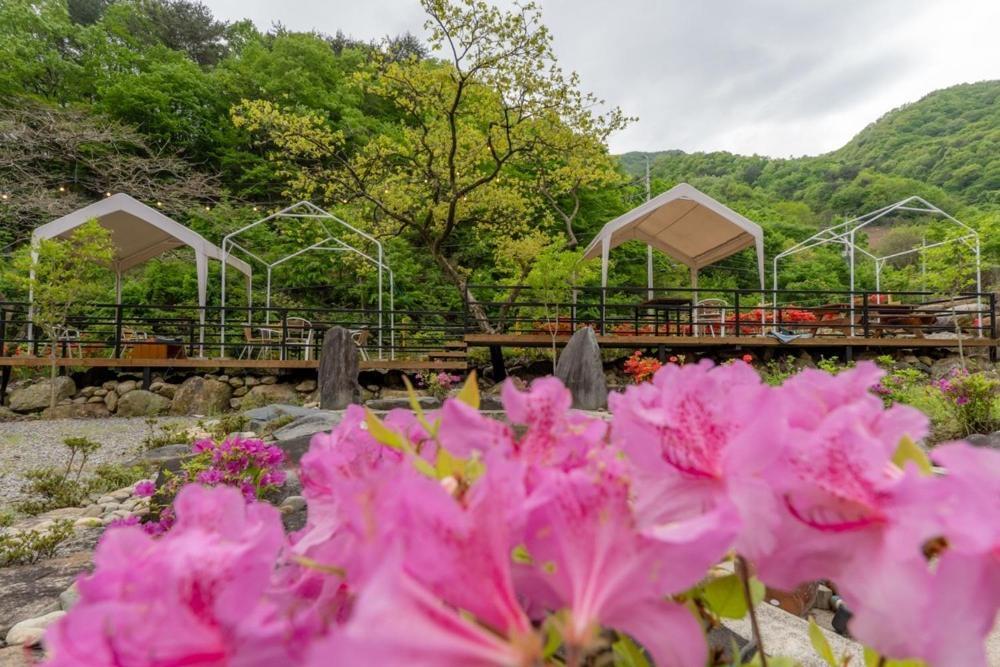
column 751, row 235
column 845, row 233
column 179, row 234
column 308, row 210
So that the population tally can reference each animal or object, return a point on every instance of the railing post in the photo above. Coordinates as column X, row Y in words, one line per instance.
column 3, row 333
column 284, row 332
column 736, row 308
column 118, row 331
column 993, row 326
column 864, row 314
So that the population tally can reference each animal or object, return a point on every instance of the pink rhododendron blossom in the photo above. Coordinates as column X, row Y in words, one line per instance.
column 840, row 492
column 937, row 607
column 588, row 557
column 144, row 488
column 700, row 443
column 183, row 599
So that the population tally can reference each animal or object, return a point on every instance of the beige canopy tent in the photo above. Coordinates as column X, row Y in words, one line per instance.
column 140, row 233
column 687, row 225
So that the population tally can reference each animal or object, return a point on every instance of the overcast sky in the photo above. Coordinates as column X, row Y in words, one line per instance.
column 774, row 77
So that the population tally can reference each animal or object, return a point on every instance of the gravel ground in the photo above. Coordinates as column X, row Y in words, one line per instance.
column 26, row 445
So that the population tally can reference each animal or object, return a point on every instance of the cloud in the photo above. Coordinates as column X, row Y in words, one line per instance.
column 775, row 77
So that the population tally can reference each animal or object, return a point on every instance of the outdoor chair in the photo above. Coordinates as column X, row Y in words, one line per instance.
column 262, row 342
column 68, row 338
column 360, row 338
column 711, row 316
column 299, row 333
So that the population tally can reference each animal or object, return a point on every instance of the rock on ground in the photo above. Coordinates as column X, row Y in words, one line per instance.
column 582, row 371
column 34, row 397
column 201, row 396
column 33, row 590
column 142, row 403
column 272, row 393
column 77, row 411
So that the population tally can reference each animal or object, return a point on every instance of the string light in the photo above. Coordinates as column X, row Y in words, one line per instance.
column 5, row 196
column 62, row 189
column 107, row 194
column 160, row 204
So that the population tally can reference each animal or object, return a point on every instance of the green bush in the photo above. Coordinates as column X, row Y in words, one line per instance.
column 30, row 546
column 50, row 489
column 972, row 398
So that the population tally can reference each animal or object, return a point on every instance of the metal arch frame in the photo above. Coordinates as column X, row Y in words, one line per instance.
column 844, row 233
column 311, row 212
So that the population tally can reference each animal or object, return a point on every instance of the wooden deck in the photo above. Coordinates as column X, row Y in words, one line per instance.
column 711, row 342
column 255, row 364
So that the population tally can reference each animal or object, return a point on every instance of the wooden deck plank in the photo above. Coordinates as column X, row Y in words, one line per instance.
column 255, row 364
column 545, row 340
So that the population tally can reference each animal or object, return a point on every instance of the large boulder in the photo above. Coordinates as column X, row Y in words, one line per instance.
column 582, row 371
column 201, row 396
column 76, row 411
column 142, row 403
column 259, row 417
column 294, row 438
column 6, row 414
column 266, row 394
column 33, row 590
column 338, row 370
column 985, row 440
column 394, row 402
column 35, row 397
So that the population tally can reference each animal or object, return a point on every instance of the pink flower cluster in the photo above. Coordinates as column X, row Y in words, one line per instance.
column 454, row 539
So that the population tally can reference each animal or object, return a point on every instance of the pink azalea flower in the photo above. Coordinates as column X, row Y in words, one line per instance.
column 699, row 445
column 841, row 494
column 940, row 609
column 397, row 621
column 555, row 434
column 144, row 488
column 182, row 599
column 589, row 558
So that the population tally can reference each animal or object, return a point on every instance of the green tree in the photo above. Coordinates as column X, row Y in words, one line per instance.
column 450, row 172
column 62, row 275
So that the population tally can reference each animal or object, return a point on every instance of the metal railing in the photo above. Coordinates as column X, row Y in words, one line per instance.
column 117, row 331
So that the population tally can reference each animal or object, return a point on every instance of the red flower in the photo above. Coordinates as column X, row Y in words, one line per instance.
column 747, row 358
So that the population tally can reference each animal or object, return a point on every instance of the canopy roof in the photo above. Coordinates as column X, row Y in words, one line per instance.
column 138, row 231
column 687, row 225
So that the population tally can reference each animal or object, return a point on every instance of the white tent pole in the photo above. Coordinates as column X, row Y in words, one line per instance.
column 694, row 299
column 979, row 289
column 649, row 272
column 851, row 296
column 380, row 313
column 267, row 298
column 605, row 249
column 878, row 275
column 31, row 289
column 201, row 268
column 222, row 299
column 118, row 286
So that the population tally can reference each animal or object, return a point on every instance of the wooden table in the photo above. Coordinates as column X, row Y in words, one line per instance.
column 155, row 349
column 668, row 306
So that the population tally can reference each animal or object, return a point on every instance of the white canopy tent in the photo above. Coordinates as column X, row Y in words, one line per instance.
column 140, row 233
column 685, row 224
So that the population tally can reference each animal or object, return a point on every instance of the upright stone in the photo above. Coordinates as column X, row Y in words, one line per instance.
column 582, row 372
column 338, row 369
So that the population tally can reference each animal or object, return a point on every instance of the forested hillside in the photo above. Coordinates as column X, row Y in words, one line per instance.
column 472, row 166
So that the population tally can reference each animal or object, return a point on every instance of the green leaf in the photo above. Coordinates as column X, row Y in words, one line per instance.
column 872, row 658
column 553, row 640
column 383, row 433
column 820, row 644
column 725, row 596
column 470, row 391
column 628, row 654
column 909, row 451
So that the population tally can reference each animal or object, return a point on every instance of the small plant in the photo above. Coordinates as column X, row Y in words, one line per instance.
column 30, row 546
column 7, row 518
column 167, row 434
column 246, row 464
column 971, row 398
column 438, row 385
column 640, row 368
column 49, row 488
column 897, row 385
column 225, row 425
column 83, row 447
column 273, row 425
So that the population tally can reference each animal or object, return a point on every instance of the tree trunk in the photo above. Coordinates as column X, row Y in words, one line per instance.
column 462, row 284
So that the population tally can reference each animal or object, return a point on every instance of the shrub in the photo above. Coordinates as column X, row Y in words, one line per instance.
column 640, row 368
column 438, row 385
column 30, row 546
column 972, row 399
column 246, row 464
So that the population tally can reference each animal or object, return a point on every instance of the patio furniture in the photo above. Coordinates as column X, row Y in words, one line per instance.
column 298, row 333
column 711, row 314
column 360, row 338
column 68, row 338
column 157, row 348
column 671, row 308
column 262, row 341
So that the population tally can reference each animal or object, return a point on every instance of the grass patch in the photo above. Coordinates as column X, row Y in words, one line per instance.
column 30, row 546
